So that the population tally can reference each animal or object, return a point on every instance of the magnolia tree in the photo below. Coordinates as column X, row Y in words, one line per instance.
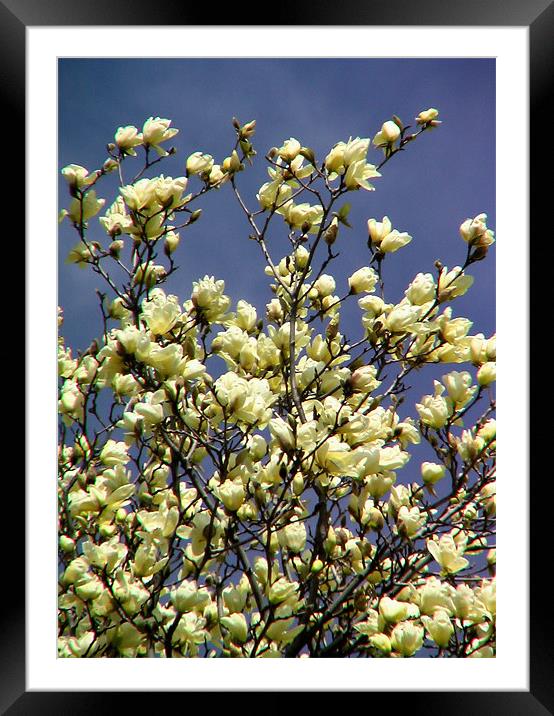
column 233, row 482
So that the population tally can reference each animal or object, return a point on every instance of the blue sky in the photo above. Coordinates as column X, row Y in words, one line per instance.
column 444, row 177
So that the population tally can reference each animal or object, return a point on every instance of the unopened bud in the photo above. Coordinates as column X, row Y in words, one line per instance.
column 298, row 484
column 317, row 566
column 330, row 235
column 332, row 330
column 330, row 541
column 67, row 544
column 109, row 165
column 381, row 642
column 479, row 253
column 116, row 247
column 376, row 519
column 397, row 121
column 308, row 154
column 231, row 164
column 121, row 515
column 171, row 242
column 248, row 129
column 107, row 530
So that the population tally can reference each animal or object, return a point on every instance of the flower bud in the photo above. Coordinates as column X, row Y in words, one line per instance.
column 231, row 164
column 156, row 130
column 235, row 598
column 388, row 134
column 363, row 280
column 427, row 115
column 148, row 274
column 301, row 256
column 298, row 484
column 308, row 154
column 381, row 642
column 392, row 610
column 248, row 129
column 282, row 433
column 275, row 310
column 290, row 149
column 432, row 473
column 261, row 570
column 486, row 374
column 116, row 247
column 330, row 235
column 217, row 176
column 77, row 176
column 121, row 515
column 325, row 285
column 376, row 519
column 439, row 628
column 407, row 638
column 67, row 544
column 258, row 447
column 185, row 597
column 232, row 494
column 127, row 138
column 110, row 165
column 330, row 541
column 378, row 229
column 237, row 627
column 393, row 241
column 293, row 536
column 171, row 242
column 198, row 163
column 281, row 590
column 317, row 566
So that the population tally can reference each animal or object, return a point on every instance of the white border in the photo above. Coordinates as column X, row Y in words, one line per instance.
column 509, row 671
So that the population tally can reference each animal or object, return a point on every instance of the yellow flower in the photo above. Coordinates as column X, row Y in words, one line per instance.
column 387, row 135
column 155, row 131
column 358, row 173
column 447, row 553
column 232, row 494
column 428, row 115
column 363, row 279
column 407, row 638
column 77, row 176
column 127, row 138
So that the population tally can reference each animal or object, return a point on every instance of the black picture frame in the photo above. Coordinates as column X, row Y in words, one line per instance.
column 538, row 16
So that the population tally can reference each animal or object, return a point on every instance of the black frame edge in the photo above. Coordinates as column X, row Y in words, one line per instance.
column 287, row 12
column 541, row 67
column 538, row 15
column 12, row 101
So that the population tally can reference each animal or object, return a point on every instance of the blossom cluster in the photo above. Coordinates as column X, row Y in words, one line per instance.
column 249, row 490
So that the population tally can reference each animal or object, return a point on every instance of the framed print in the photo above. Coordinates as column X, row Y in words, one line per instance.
column 185, row 575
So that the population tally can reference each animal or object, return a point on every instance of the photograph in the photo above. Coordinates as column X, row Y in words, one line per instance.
column 277, row 358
